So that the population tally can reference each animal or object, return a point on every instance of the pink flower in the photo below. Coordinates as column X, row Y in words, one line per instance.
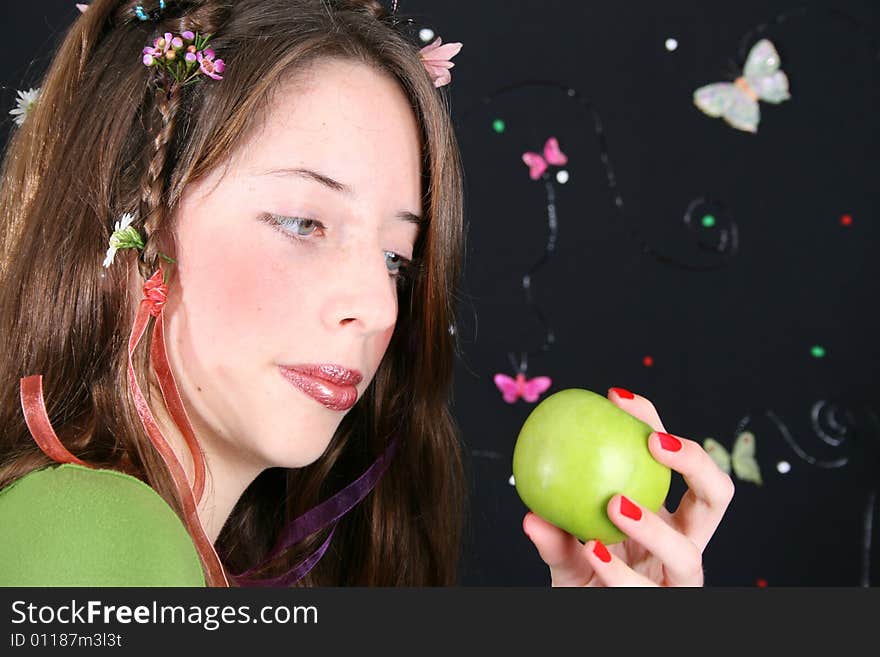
column 160, row 48
column 209, row 66
column 436, row 58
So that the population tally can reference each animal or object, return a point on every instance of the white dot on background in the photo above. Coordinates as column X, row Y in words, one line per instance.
column 426, row 34
column 562, row 176
column 783, row 466
column 671, row 44
column 511, row 481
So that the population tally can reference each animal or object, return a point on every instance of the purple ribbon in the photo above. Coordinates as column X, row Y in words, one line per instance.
column 325, row 514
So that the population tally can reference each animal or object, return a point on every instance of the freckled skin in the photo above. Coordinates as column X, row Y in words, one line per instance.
column 246, row 298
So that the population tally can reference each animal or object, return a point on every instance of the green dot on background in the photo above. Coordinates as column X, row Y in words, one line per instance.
column 817, row 351
column 708, row 221
column 498, row 125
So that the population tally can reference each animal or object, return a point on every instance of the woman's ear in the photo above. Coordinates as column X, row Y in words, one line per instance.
column 166, row 243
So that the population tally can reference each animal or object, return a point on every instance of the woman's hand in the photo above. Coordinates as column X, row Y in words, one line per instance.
column 661, row 549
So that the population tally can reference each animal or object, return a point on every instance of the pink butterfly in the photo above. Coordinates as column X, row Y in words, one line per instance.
column 552, row 155
column 530, row 390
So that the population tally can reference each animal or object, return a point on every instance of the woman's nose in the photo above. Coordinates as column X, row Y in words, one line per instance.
column 362, row 293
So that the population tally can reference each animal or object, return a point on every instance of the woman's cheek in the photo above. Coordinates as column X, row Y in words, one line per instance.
column 259, row 288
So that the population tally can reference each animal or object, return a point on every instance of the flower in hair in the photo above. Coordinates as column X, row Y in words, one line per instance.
column 82, row 7
column 209, row 66
column 184, row 57
column 124, row 236
column 436, row 59
column 24, row 104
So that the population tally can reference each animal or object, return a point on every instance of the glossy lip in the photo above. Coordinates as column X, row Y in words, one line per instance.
column 333, row 386
column 336, row 374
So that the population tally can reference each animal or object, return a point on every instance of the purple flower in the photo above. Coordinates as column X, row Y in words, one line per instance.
column 177, row 43
column 188, row 36
column 161, row 48
column 148, row 60
column 209, row 66
column 190, row 57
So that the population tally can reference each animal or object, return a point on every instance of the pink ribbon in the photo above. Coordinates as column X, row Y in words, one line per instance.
column 149, row 306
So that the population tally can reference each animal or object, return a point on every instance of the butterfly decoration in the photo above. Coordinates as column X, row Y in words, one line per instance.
column 737, row 102
column 745, row 466
column 528, row 389
column 538, row 164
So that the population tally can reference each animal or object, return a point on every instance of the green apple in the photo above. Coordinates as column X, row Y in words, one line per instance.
column 575, row 451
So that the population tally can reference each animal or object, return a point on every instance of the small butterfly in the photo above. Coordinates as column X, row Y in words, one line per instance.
column 737, row 102
column 538, row 164
column 528, row 389
column 745, row 466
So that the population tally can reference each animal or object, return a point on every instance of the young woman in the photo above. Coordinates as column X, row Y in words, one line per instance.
column 270, row 406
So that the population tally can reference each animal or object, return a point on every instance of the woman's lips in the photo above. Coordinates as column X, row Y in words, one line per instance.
column 334, row 397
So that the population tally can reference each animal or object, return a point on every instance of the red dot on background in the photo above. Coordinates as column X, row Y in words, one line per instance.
column 648, row 361
column 846, row 220
column 761, row 582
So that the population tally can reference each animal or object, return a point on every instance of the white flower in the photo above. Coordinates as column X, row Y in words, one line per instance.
column 124, row 222
column 123, row 237
column 82, row 7
column 111, row 253
column 23, row 104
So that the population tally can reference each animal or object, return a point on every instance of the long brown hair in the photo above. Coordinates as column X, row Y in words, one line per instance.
column 99, row 142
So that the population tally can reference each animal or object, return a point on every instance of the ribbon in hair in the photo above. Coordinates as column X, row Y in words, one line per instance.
column 150, row 306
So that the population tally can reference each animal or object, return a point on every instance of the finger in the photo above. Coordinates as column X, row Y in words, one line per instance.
column 682, row 560
column 637, row 406
column 610, row 569
column 710, row 489
column 559, row 550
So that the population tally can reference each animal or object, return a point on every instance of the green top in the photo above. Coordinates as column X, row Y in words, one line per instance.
column 69, row 525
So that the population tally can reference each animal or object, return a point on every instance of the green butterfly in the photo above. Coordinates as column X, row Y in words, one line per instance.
column 745, row 466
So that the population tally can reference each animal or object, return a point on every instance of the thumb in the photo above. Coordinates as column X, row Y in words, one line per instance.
column 561, row 551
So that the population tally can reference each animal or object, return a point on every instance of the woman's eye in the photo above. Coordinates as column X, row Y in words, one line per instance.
column 395, row 260
column 298, row 226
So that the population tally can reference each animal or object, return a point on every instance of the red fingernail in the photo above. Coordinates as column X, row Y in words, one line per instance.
column 623, row 393
column 667, row 442
column 601, row 551
column 629, row 509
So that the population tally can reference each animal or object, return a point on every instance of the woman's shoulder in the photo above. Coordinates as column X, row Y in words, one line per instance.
column 70, row 525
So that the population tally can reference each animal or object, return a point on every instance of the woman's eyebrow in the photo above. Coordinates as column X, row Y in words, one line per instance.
column 336, row 186
column 308, row 174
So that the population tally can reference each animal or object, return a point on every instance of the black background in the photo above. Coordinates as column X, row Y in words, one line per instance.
column 729, row 342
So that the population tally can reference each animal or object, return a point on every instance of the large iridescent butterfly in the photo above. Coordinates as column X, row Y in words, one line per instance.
column 528, row 389
column 737, row 102
column 538, row 164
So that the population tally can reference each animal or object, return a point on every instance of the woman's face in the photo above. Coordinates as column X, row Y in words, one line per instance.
column 288, row 257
